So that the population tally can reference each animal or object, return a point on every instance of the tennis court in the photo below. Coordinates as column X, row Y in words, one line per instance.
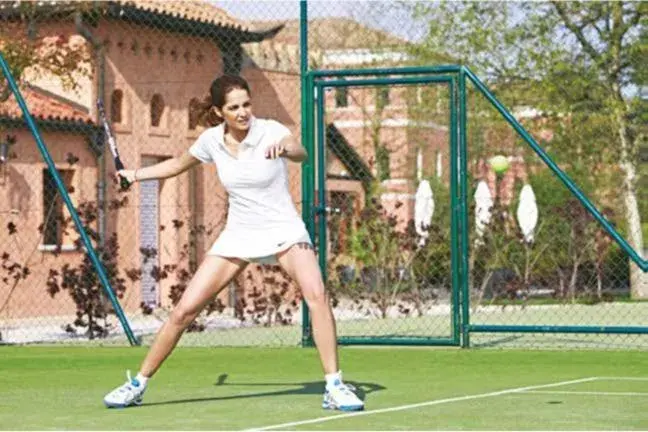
column 473, row 181
column 280, row 389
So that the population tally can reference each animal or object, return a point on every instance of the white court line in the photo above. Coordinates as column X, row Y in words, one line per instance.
column 594, row 393
column 620, row 378
column 421, row 404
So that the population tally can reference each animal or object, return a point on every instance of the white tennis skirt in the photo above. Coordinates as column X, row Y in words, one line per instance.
column 261, row 248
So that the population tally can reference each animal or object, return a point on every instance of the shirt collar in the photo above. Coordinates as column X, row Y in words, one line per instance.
column 252, row 138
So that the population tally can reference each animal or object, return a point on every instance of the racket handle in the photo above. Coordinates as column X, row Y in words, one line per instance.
column 123, row 183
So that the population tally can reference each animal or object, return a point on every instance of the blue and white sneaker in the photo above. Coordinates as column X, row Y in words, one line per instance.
column 341, row 396
column 128, row 394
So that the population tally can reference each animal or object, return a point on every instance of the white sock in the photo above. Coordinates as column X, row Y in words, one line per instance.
column 333, row 379
column 141, row 378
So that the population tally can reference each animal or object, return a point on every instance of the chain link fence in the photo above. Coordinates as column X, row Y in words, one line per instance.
column 389, row 263
column 388, row 219
column 537, row 257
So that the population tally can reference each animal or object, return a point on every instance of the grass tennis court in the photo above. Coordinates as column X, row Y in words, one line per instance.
column 45, row 387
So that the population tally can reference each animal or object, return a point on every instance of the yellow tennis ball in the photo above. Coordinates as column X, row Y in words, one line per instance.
column 499, row 164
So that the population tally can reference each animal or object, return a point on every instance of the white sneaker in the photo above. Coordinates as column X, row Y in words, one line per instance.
column 127, row 394
column 341, row 396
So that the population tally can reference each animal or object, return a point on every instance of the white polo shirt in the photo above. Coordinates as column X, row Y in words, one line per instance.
column 262, row 219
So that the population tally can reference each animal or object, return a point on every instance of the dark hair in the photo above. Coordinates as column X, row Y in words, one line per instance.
column 221, row 86
column 218, row 91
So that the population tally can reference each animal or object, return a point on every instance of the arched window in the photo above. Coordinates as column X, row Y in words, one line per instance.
column 157, row 109
column 116, row 106
column 194, row 114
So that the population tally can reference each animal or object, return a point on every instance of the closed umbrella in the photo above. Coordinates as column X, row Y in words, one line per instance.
column 423, row 210
column 483, row 206
column 527, row 213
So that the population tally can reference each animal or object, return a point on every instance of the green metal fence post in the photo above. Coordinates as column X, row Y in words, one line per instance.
column 463, row 191
column 307, row 142
column 455, row 207
column 321, row 180
column 68, row 203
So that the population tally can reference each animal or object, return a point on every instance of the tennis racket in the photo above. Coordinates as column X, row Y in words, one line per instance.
column 125, row 184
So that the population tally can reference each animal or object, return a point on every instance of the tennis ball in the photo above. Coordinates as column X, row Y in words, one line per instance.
column 499, row 164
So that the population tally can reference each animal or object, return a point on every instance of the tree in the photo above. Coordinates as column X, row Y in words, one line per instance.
column 640, row 77
column 31, row 54
column 578, row 59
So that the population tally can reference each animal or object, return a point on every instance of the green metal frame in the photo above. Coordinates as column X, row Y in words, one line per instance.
column 462, row 208
column 308, row 171
column 569, row 183
column 318, row 83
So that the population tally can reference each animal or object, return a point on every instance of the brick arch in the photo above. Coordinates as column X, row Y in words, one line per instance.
column 117, row 106
column 157, row 109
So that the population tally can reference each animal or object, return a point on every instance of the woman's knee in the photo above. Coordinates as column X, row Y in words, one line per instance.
column 182, row 317
column 315, row 296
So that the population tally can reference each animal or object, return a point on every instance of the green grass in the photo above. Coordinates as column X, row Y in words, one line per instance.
column 44, row 388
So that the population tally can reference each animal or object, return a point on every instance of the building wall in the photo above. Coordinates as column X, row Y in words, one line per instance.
column 143, row 62
column 365, row 126
column 22, row 204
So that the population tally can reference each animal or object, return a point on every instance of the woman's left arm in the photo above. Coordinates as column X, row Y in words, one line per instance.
column 293, row 150
column 289, row 148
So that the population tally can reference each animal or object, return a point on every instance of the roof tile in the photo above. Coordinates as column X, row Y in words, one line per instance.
column 201, row 11
column 44, row 107
column 196, row 10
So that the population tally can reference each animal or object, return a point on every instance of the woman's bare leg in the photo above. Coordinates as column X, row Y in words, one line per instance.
column 211, row 277
column 301, row 265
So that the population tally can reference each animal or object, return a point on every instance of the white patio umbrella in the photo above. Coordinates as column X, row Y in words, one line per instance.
column 483, row 206
column 527, row 213
column 423, row 210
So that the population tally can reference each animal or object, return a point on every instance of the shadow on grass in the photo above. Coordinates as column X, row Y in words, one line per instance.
column 301, row 388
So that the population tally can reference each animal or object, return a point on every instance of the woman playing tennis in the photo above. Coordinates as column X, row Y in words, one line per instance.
column 262, row 226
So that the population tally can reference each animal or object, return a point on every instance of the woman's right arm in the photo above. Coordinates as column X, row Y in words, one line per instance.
column 168, row 168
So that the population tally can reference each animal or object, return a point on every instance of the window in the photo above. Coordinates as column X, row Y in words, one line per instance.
column 194, row 113
column 341, row 97
column 53, row 215
column 116, row 106
column 157, row 109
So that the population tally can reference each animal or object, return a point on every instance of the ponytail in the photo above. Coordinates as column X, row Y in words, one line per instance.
column 205, row 115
